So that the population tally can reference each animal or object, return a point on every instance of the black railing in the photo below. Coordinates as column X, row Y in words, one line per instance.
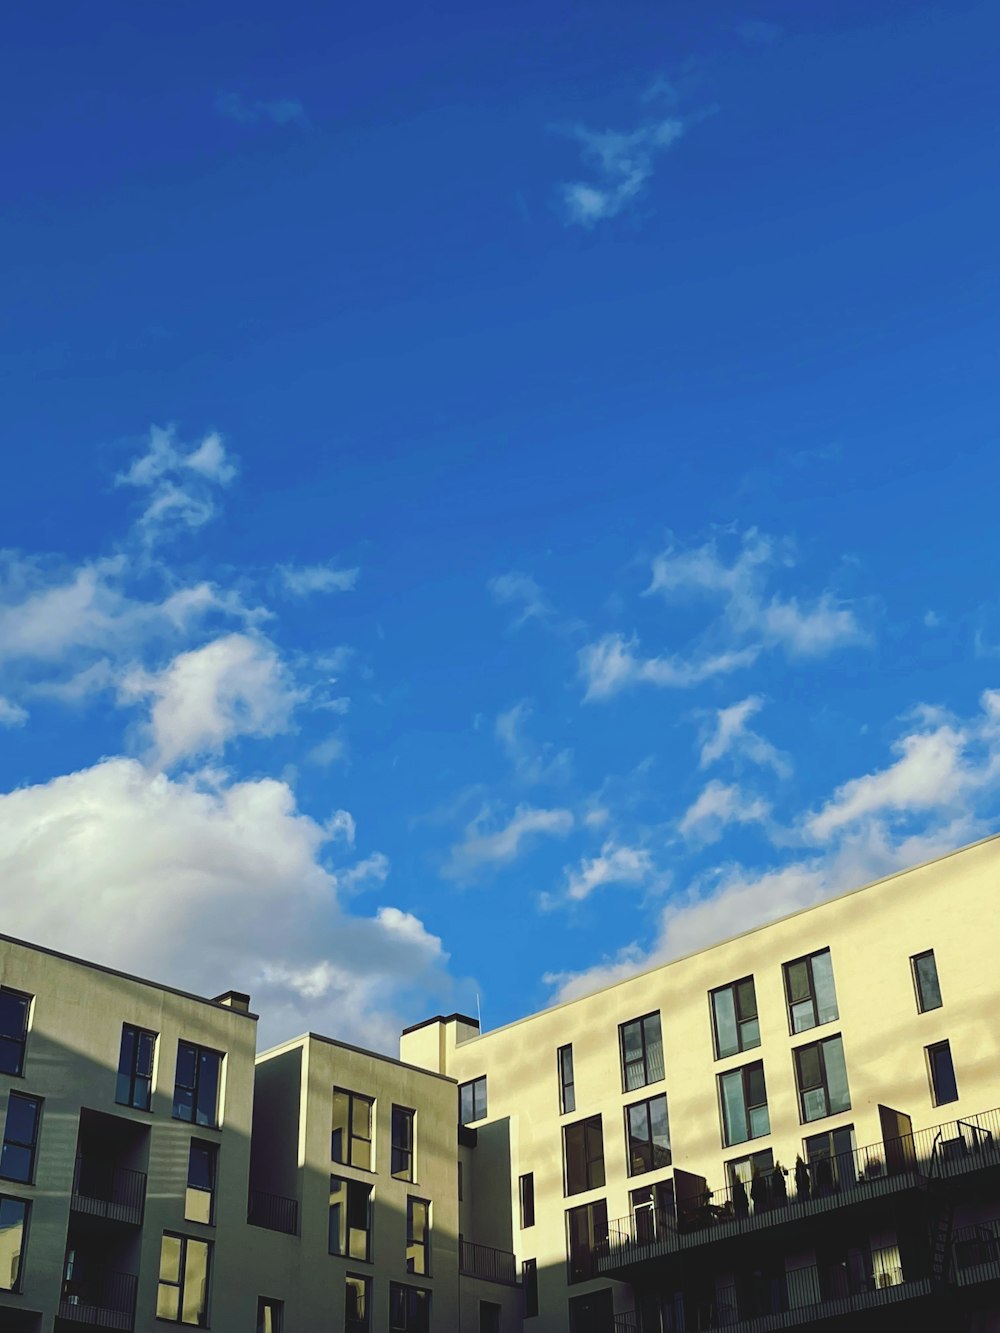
column 273, row 1212
column 102, row 1299
column 104, row 1190
column 976, row 1252
column 486, row 1262
column 627, row 1321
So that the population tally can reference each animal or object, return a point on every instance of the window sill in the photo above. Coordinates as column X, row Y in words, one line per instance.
column 216, row 1129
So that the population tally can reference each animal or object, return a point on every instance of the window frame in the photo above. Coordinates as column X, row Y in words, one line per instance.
column 732, row 988
column 211, row 1151
column 591, row 1128
column 745, row 1073
column 406, row 1153
column 402, row 1289
column 567, row 1081
column 30, row 1147
column 641, row 1062
column 819, row 1046
column 270, row 1305
column 18, row 1277
column 361, row 1098
column 11, row 1039
column 350, row 1192
column 526, row 1195
column 133, row 1074
column 580, row 1267
column 818, row 1022
column 195, row 1088
column 591, row 1307
column 646, row 1105
column 475, row 1084
column 529, row 1285
column 936, row 1048
column 181, row 1283
column 354, row 1325
column 918, row 985
column 418, row 1246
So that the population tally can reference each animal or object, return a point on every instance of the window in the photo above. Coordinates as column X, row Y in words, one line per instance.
column 182, row 1294
column 351, row 1138
column 652, row 1209
column 744, row 1104
column 13, row 1236
column 810, row 992
column 14, row 1010
column 350, row 1219
column 402, row 1143
column 357, row 1304
column 583, row 1155
column 418, row 1236
column 489, row 1317
column 199, row 1197
column 472, row 1101
column 409, row 1309
column 830, row 1158
column 567, row 1086
column 593, row 1313
column 270, row 1315
column 586, row 1229
column 944, row 1087
column 648, row 1132
column 734, row 1018
column 135, row 1068
column 527, row 1191
column 529, row 1285
column 196, row 1086
column 822, row 1078
column 20, row 1138
column 743, row 1169
column 642, row 1052
column 925, row 981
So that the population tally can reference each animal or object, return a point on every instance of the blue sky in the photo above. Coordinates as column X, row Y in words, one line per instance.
column 494, row 496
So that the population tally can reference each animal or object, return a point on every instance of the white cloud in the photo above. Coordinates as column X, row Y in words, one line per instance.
column 718, row 806
column 615, row 865
column 340, row 827
column 501, row 845
column 622, row 164
column 304, row 580
column 279, row 111
column 533, row 763
column 128, row 868
column 612, row 663
column 180, row 482
column 11, row 714
column 364, row 874
column 234, row 686
column 731, row 735
column 521, row 592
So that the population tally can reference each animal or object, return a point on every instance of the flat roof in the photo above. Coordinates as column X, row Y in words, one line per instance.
column 442, row 1018
column 356, row 1050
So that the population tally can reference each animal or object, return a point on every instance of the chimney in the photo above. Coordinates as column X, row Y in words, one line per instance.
column 234, row 999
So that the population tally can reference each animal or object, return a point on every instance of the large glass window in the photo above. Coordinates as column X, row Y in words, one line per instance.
column 402, row 1143
column 350, row 1218
column 641, row 1051
column 944, row 1085
column 648, row 1133
column 182, row 1291
column 20, row 1138
column 409, row 1309
column 734, row 1018
column 586, row 1229
column 743, row 1095
column 472, row 1101
column 529, row 1285
column 821, row 1073
column 418, row 1236
column 135, row 1068
column 270, row 1315
column 809, row 989
column 830, row 1158
column 196, row 1087
column 583, row 1155
column 527, row 1192
column 199, row 1197
column 14, row 1009
column 925, row 981
column 567, row 1084
column 351, row 1137
column 13, row 1237
column 357, row 1304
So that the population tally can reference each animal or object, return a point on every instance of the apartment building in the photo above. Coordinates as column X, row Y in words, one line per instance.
column 793, row 1128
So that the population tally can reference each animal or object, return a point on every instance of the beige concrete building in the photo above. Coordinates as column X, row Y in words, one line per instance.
column 794, row 1128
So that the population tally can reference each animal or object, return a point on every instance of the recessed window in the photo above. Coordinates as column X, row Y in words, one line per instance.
column 418, row 1236
column 15, row 1007
column 199, row 1197
column 135, row 1068
column 402, row 1143
column 944, row 1086
column 351, row 1136
column 648, row 1132
column 409, row 1309
column 182, row 1291
column 583, row 1155
column 20, row 1138
column 925, row 981
column 743, row 1095
column 357, row 1304
column 821, row 1074
column 529, row 1285
column 350, row 1218
column 586, row 1228
column 652, row 1208
column 13, row 1238
column 593, row 1313
column 745, row 1169
column 472, row 1101
column 734, row 1018
column 810, row 992
column 567, row 1084
column 489, row 1317
column 830, row 1159
column 641, row 1051
column 270, row 1315
column 527, row 1192
column 196, row 1087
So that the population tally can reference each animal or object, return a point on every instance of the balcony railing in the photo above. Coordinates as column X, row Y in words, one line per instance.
column 105, row 1190
column 102, row 1300
column 273, row 1212
column 486, row 1262
column 976, row 1253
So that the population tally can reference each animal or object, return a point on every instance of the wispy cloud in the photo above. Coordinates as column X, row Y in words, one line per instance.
column 11, row 714
column 622, row 163
column 616, row 864
column 718, row 805
column 484, row 845
column 180, row 482
column 730, row 735
column 304, row 580
column 613, row 663
column 522, row 594
column 279, row 111
column 533, row 762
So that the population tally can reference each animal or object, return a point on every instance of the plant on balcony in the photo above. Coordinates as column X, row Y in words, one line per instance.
column 758, row 1190
column 741, row 1204
column 873, row 1168
column 803, row 1181
column 779, row 1190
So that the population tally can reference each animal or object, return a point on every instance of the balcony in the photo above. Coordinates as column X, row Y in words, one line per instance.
column 273, row 1212
column 100, row 1300
column 976, row 1253
column 104, row 1190
column 485, row 1262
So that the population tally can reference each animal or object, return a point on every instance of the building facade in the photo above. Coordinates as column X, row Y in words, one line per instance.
column 794, row 1128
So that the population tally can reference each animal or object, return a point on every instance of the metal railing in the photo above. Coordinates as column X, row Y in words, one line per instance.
column 273, row 1212
column 102, row 1299
column 104, row 1190
column 975, row 1252
column 486, row 1262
